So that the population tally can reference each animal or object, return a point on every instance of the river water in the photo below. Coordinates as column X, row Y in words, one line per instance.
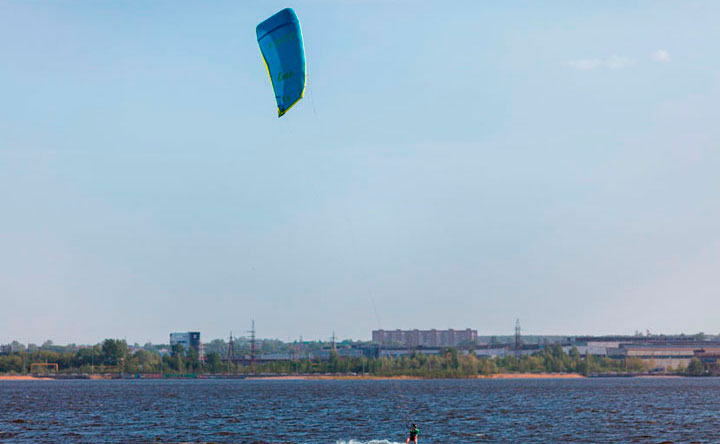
column 612, row 410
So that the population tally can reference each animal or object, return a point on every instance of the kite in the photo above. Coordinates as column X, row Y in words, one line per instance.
column 281, row 45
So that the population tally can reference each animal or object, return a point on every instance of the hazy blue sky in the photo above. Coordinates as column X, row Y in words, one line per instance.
column 454, row 164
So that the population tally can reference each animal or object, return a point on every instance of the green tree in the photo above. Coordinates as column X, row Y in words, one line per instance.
column 193, row 360
column 178, row 355
column 589, row 364
column 633, row 364
column 695, row 368
column 334, row 361
column 214, row 362
column 147, row 361
column 113, row 351
column 17, row 347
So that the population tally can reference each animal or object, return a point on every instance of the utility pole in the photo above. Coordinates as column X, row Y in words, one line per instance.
column 230, row 352
column 253, row 349
column 122, row 368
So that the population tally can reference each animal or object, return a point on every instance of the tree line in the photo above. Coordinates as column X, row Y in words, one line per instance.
column 114, row 356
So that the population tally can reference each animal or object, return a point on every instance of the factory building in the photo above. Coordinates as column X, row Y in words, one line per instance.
column 189, row 339
column 710, row 360
column 666, row 355
column 425, row 338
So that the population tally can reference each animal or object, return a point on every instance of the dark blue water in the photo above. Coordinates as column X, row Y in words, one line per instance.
column 622, row 410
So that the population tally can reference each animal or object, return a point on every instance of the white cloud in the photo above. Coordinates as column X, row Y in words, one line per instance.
column 612, row 62
column 661, row 56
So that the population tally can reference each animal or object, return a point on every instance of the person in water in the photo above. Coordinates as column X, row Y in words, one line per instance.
column 414, row 432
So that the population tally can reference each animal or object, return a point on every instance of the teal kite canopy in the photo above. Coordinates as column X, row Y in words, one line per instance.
column 281, row 45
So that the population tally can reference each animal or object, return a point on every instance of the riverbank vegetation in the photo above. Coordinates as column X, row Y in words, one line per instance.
column 114, row 356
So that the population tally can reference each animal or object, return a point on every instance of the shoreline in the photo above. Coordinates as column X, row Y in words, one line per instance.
column 331, row 377
column 95, row 377
column 416, row 378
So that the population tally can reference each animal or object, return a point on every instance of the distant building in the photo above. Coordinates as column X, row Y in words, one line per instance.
column 595, row 349
column 425, row 338
column 190, row 339
column 710, row 360
column 499, row 352
column 665, row 355
column 6, row 349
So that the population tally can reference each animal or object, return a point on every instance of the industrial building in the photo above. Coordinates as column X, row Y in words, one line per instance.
column 710, row 360
column 425, row 338
column 189, row 339
column 663, row 356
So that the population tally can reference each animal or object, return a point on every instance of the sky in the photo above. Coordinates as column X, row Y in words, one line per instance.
column 452, row 165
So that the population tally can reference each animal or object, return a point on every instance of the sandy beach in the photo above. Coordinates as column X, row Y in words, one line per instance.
column 387, row 378
column 332, row 378
column 23, row 378
column 532, row 376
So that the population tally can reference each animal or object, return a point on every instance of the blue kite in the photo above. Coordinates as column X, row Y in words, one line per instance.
column 281, row 45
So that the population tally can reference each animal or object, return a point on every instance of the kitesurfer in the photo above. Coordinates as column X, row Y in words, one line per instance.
column 414, row 432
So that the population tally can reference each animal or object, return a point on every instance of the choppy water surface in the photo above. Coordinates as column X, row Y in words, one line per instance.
column 447, row 411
